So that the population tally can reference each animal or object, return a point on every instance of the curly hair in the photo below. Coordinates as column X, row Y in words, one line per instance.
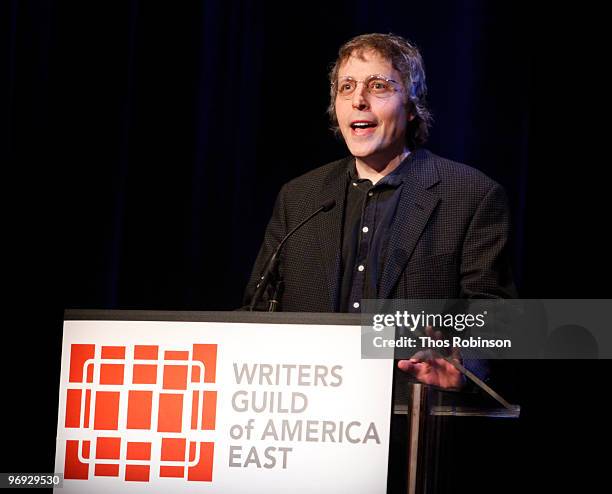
column 406, row 59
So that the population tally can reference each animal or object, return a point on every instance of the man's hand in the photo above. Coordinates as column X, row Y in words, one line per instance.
column 431, row 368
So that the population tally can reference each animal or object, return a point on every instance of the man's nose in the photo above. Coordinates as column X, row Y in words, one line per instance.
column 360, row 100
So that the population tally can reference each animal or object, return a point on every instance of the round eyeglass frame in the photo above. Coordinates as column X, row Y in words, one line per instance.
column 366, row 81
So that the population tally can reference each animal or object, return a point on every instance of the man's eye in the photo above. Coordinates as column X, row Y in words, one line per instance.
column 346, row 86
column 379, row 86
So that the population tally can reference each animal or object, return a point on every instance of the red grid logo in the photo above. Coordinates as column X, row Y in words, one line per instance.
column 132, row 407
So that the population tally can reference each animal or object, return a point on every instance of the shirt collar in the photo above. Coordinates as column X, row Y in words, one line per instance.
column 394, row 179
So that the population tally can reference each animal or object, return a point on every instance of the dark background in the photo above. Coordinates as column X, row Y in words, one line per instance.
column 143, row 144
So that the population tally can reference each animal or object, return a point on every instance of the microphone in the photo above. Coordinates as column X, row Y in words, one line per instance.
column 327, row 206
column 271, row 267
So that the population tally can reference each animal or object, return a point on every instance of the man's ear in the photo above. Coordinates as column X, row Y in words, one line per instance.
column 411, row 110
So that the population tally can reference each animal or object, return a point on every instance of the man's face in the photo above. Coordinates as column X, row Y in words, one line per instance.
column 386, row 118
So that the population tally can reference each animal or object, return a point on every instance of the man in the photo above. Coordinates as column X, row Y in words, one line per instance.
column 406, row 224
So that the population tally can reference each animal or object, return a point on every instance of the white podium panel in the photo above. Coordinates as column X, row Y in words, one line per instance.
column 221, row 407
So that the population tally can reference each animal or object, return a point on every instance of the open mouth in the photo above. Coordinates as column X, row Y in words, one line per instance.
column 362, row 124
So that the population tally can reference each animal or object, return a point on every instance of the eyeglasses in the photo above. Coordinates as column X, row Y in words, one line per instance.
column 377, row 85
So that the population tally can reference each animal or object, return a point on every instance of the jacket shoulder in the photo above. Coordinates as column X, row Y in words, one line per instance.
column 459, row 173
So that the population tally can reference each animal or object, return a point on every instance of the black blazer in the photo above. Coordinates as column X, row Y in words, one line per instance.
column 449, row 238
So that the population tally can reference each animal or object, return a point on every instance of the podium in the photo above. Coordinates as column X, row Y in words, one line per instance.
column 236, row 402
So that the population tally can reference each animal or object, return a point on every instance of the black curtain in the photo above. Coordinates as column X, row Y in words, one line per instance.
column 144, row 144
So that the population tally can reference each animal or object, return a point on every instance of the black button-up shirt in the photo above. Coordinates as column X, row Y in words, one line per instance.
column 369, row 213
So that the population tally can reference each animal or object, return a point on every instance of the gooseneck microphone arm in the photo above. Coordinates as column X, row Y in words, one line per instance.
column 270, row 271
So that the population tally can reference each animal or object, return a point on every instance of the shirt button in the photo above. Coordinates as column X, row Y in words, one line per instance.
column 356, row 305
column 370, row 194
column 360, row 267
column 365, row 229
column 355, row 184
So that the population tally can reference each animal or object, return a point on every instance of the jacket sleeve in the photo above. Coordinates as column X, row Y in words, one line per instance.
column 275, row 231
column 485, row 271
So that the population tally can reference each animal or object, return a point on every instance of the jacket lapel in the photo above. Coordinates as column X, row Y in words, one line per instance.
column 330, row 229
column 415, row 206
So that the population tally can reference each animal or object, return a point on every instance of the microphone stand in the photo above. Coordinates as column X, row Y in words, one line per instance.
column 270, row 273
